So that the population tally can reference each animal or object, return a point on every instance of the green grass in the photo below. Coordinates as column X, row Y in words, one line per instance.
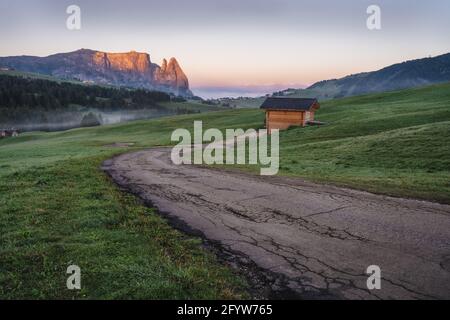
column 191, row 105
column 70, row 213
column 395, row 143
column 244, row 102
column 57, row 208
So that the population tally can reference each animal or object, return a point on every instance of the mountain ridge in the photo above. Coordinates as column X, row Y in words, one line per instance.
column 130, row 69
column 403, row 75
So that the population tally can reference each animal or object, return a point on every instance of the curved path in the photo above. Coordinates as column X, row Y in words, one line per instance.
column 311, row 240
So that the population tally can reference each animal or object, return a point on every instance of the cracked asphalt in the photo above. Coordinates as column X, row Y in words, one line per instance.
column 297, row 238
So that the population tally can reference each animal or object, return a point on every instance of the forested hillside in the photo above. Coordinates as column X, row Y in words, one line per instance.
column 30, row 103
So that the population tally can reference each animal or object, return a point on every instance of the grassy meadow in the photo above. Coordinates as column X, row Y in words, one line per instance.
column 58, row 208
column 395, row 143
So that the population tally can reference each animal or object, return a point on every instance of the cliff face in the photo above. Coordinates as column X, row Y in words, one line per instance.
column 171, row 74
column 127, row 62
column 131, row 69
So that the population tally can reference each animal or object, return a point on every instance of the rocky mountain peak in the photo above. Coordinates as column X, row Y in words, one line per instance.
column 164, row 65
column 172, row 74
column 131, row 69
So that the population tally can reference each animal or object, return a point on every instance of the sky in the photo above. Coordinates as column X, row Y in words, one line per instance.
column 250, row 45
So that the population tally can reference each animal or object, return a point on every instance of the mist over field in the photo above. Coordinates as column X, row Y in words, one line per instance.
column 49, row 121
column 28, row 102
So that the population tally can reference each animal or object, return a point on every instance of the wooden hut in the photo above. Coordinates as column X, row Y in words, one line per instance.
column 281, row 113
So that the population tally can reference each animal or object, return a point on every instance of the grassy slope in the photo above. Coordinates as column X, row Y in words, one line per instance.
column 191, row 105
column 57, row 208
column 393, row 143
column 244, row 102
column 39, row 76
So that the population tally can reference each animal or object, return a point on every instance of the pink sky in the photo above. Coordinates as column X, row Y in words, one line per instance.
column 236, row 43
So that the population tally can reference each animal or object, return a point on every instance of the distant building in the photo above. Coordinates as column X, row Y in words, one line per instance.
column 282, row 113
column 4, row 133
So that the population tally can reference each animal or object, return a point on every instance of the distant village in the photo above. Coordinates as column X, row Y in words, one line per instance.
column 5, row 133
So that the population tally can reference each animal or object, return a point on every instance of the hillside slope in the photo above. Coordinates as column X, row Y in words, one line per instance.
column 393, row 143
column 403, row 75
column 30, row 102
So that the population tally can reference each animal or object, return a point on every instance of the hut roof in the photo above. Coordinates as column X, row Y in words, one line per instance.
column 289, row 103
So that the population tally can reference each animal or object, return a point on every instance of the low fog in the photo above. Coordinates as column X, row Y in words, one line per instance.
column 51, row 121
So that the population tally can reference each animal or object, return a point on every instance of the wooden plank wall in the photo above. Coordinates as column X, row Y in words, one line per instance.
column 278, row 119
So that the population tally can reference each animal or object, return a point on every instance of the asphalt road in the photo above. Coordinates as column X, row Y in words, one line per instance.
column 298, row 239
